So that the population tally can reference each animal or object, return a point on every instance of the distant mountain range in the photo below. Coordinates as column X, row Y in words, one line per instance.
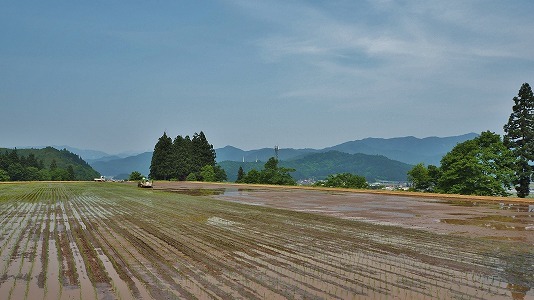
column 378, row 158
column 87, row 155
column 120, row 168
column 410, row 150
column 96, row 155
column 320, row 165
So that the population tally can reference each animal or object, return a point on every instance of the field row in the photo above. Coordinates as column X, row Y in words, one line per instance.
column 113, row 241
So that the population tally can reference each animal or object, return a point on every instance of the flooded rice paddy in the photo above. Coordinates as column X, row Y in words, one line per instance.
column 187, row 241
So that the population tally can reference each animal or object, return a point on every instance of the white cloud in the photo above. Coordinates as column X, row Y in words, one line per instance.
column 414, row 41
column 431, row 30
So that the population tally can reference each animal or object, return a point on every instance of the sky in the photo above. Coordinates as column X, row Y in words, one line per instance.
column 114, row 75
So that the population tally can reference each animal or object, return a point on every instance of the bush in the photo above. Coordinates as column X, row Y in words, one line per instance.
column 344, row 180
column 135, row 176
column 4, row 176
column 191, row 177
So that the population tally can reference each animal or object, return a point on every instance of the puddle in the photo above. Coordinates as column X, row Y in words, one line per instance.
column 488, row 222
column 34, row 292
column 52, row 284
column 461, row 203
column 118, row 285
column 232, row 192
column 87, row 291
column 198, row 192
column 516, row 207
column 143, row 292
column 302, row 258
column 344, row 208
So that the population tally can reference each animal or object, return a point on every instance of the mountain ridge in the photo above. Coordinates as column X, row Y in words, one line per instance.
column 409, row 150
column 62, row 158
column 320, row 165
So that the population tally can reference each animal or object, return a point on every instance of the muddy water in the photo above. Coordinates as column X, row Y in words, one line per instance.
column 467, row 218
column 52, row 285
column 176, row 246
column 497, row 221
column 120, row 287
column 34, row 292
column 25, row 255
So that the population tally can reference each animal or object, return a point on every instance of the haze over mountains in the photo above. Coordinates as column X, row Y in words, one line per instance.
column 410, row 150
column 396, row 156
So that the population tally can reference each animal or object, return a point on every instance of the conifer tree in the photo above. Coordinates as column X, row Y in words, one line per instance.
column 161, row 164
column 240, row 174
column 31, row 161
column 519, row 137
column 181, row 157
column 13, row 157
column 71, row 174
column 203, row 153
column 53, row 165
column 220, row 173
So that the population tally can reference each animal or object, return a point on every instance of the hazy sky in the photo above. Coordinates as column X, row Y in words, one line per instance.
column 113, row 75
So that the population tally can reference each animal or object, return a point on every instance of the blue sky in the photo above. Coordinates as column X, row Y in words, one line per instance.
column 113, row 75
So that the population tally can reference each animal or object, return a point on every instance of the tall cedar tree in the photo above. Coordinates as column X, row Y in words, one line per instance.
column 519, row 137
column 240, row 174
column 182, row 157
column 203, row 152
column 161, row 164
column 182, row 154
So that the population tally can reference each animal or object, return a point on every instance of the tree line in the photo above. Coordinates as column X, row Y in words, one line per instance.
column 185, row 158
column 487, row 165
column 344, row 180
column 15, row 167
column 271, row 174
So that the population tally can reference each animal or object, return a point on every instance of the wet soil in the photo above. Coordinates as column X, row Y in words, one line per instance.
column 209, row 241
column 494, row 218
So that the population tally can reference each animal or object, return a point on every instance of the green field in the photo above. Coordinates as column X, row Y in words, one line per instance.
column 115, row 241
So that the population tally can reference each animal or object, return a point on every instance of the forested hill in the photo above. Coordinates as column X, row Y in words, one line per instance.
column 410, row 150
column 372, row 167
column 44, row 164
column 320, row 165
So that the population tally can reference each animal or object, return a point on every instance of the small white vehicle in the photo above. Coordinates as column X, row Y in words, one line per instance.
column 144, row 183
column 101, row 179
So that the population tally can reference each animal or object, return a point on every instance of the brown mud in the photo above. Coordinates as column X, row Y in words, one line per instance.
column 199, row 241
column 492, row 217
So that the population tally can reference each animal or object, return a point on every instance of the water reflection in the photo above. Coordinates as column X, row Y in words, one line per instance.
column 518, row 291
column 509, row 258
column 516, row 207
column 198, row 192
column 519, row 273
